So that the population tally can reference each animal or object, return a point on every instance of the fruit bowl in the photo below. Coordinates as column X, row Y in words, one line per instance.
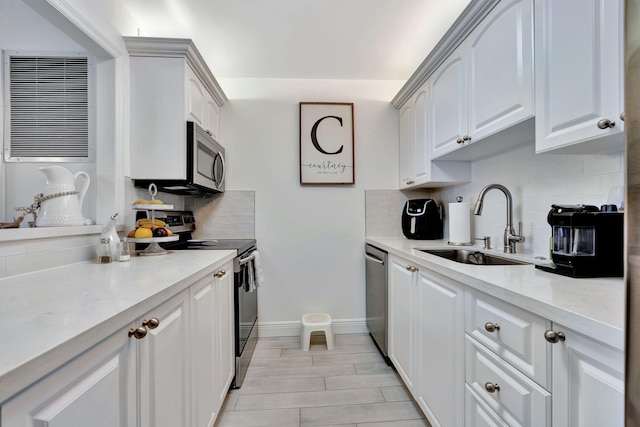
column 154, row 248
column 154, row 239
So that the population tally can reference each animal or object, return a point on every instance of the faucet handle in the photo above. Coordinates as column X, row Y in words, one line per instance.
column 518, row 238
column 487, row 241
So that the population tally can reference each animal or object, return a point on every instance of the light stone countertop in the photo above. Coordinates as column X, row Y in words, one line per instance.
column 51, row 316
column 594, row 307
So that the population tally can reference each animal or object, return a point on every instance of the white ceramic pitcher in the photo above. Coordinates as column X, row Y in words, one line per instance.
column 64, row 210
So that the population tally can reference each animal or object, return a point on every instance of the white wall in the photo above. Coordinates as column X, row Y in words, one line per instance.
column 311, row 237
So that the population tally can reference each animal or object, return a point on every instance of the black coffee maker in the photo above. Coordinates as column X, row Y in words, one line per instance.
column 586, row 241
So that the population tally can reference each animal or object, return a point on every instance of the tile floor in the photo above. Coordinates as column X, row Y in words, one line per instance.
column 349, row 386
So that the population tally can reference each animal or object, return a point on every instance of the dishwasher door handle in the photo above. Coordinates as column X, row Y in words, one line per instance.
column 374, row 259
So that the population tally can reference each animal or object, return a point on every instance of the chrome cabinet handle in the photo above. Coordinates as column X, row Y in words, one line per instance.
column 220, row 273
column 460, row 140
column 491, row 387
column 622, row 116
column 410, row 182
column 491, row 327
column 466, row 138
column 139, row 332
column 553, row 336
column 606, row 124
column 412, row 268
column 151, row 323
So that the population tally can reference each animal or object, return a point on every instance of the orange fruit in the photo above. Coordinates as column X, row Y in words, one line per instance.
column 143, row 233
column 132, row 233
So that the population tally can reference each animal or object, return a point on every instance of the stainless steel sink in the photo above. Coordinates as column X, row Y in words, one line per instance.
column 470, row 256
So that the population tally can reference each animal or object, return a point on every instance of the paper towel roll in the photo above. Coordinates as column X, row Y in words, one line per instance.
column 459, row 223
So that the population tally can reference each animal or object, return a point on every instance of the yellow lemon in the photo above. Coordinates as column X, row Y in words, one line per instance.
column 143, row 233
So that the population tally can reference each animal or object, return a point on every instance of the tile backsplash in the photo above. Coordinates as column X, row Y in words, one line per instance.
column 230, row 215
column 536, row 181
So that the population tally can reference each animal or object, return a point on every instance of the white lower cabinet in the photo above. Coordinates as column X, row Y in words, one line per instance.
column 426, row 339
column 171, row 367
column 97, row 388
column 402, row 324
column 512, row 396
column 212, row 344
column 588, row 382
column 470, row 359
column 164, row 365
column 440, row 352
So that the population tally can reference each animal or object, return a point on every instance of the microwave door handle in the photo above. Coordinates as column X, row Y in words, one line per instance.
column 213, row 171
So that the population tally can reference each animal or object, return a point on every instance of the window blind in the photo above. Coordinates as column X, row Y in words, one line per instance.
column 49, row 107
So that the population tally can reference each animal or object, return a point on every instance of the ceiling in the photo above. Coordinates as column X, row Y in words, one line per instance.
column 303, row 39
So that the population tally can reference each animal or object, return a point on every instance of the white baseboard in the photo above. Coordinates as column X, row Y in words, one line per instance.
column 292, row 328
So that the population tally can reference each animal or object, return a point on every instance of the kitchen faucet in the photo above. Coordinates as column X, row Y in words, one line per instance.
column 510, row 236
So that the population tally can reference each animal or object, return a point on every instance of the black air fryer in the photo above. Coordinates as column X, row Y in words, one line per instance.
column 422, row 220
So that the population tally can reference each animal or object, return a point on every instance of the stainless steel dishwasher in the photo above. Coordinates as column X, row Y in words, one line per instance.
column 376, row 290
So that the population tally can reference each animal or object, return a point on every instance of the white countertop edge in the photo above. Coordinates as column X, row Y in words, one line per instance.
column 26, row 372
column 23, row 233
column 608, row 329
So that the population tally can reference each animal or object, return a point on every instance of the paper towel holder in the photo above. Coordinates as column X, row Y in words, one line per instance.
column 458, row 243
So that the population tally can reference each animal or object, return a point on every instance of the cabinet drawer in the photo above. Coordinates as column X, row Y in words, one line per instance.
column 518, row 336
column 478, row 413
column 516, row 399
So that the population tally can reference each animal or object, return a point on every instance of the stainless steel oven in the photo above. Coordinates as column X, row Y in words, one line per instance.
column 246, row 311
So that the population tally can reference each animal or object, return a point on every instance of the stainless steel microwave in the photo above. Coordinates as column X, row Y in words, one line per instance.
column 205, row 171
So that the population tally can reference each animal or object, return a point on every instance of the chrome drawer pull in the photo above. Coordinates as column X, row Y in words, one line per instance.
column 491, row 327
column 491, row 387
column 553, row 336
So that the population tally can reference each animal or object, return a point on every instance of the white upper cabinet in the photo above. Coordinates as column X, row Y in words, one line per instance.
column 416, row 167
column 449, row 104
column 579, row 83
column 500, row 69
column 170, row 84
column 406, row 145
column 486, row 86
column 196, row 96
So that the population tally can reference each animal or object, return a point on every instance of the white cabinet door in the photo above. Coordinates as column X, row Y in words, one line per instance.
column 98, row 388
column 588, row 382
column 448, row 121
column 578, row 57
column 212, row 117
column 440, row 355
column 500, row 69
column 164, row 366
column 485, row 86
column 196, row 98
column 406, row 145
column 225, row 330
column 204, row 351
column 213, row 359
column 402, row 322
column 421, row 161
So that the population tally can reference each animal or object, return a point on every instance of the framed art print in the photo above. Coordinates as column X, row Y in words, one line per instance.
column 326, row 143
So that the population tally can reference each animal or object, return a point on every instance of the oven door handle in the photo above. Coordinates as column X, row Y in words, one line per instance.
column 247, row 259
